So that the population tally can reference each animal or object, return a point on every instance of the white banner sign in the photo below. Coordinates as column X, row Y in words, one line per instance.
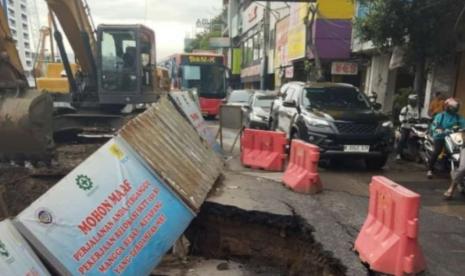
column 191, row 111
column 16, row 257
column 109, row 216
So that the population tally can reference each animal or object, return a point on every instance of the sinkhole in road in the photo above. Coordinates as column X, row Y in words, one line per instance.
column 284, row 243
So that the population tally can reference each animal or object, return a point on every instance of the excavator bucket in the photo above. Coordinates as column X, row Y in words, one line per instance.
column 26, row 131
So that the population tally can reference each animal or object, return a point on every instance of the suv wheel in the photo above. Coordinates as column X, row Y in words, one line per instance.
column 295, row 135
column 376, row 163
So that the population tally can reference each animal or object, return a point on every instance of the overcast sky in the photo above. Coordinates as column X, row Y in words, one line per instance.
column 170, row 19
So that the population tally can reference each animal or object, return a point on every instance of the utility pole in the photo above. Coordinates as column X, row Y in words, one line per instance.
column 312, row 9
column 52, row 47
column 266, row 34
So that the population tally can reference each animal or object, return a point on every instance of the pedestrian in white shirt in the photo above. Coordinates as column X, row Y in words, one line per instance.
column 408, row 114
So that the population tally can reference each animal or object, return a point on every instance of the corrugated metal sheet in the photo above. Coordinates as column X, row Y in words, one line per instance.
column 173, row 149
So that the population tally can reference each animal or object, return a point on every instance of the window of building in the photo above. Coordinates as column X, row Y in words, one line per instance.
column 247, row 52
column 11, row 12
column 255, row 47
column 252, row 49
column 23, row 16
column 259, row 45
column 10, row 2
column 26, row 36
column 244, row 53
column 28, row 63
column 23, row 7
column 25, row 26
column 27, row 45
column 27, row 54
column 12, row 23
column 13, row 32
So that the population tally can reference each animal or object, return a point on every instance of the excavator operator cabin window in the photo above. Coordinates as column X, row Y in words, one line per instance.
column 119, row 60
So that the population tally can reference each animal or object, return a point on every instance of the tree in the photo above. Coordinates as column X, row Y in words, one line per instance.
column 427, row 30
column 201, row 40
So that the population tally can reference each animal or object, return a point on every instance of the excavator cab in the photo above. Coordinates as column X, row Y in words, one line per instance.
column 126, row 64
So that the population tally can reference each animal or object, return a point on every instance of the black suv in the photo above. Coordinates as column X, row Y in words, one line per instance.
column 336, row 117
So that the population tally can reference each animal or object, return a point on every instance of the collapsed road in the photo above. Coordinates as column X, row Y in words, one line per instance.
column 252, row 225
column 337, row 214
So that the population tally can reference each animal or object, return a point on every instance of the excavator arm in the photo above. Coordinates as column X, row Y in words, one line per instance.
column 76, row 23
column 25, row 115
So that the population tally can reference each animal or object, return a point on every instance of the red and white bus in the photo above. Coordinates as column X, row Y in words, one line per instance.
column 203, row 71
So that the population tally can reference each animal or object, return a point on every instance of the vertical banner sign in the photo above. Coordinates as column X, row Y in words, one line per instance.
column 237, row 61
column 297, row 31
column 16, row 257
column 109, row 216
column 190, row 110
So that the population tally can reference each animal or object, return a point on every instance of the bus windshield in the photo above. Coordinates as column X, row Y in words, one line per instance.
column 208, row 79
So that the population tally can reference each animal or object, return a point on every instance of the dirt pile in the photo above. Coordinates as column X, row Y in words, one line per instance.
column 20, row 186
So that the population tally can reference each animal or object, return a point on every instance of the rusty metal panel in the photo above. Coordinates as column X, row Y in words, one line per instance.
column 173, row 149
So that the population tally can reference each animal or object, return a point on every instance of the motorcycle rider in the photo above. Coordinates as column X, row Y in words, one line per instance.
column 443, row 122
column 407, row 114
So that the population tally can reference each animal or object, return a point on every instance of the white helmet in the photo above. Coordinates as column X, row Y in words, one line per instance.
column 452, row 105
column 413, row 99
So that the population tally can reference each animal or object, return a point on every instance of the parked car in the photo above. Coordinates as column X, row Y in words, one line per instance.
column 339, row 119
column 259, row 110
column 273, row 118
column 239, row 97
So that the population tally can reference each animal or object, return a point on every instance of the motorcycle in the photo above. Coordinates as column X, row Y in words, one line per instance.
column 450, row 158
column 417, row 131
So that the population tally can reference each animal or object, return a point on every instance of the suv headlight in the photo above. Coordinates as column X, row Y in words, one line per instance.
column 315, row 122
column 388, row 124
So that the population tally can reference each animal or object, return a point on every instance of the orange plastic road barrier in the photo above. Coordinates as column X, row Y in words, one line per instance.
column 263, row 149
column 302, row 171
column 388, row 241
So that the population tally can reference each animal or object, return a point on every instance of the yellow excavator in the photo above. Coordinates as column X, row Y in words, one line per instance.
column 117, row 71
column 25, row 115
column 117, row 78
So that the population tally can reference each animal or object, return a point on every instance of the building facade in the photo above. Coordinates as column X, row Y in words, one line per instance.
column 17, row 15
column 385, row 75
column 251, row 29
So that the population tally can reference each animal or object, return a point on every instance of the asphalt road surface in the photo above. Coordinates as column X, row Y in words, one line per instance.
column 338, row 213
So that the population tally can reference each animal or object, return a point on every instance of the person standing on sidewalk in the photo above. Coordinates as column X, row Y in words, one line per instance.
column 407, row 114
column 443, row 122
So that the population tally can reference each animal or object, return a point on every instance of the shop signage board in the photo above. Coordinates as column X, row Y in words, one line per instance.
column 219, row 42
column 112, row 215
column 297, row 31
column 252, row 16
column 344, row 68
